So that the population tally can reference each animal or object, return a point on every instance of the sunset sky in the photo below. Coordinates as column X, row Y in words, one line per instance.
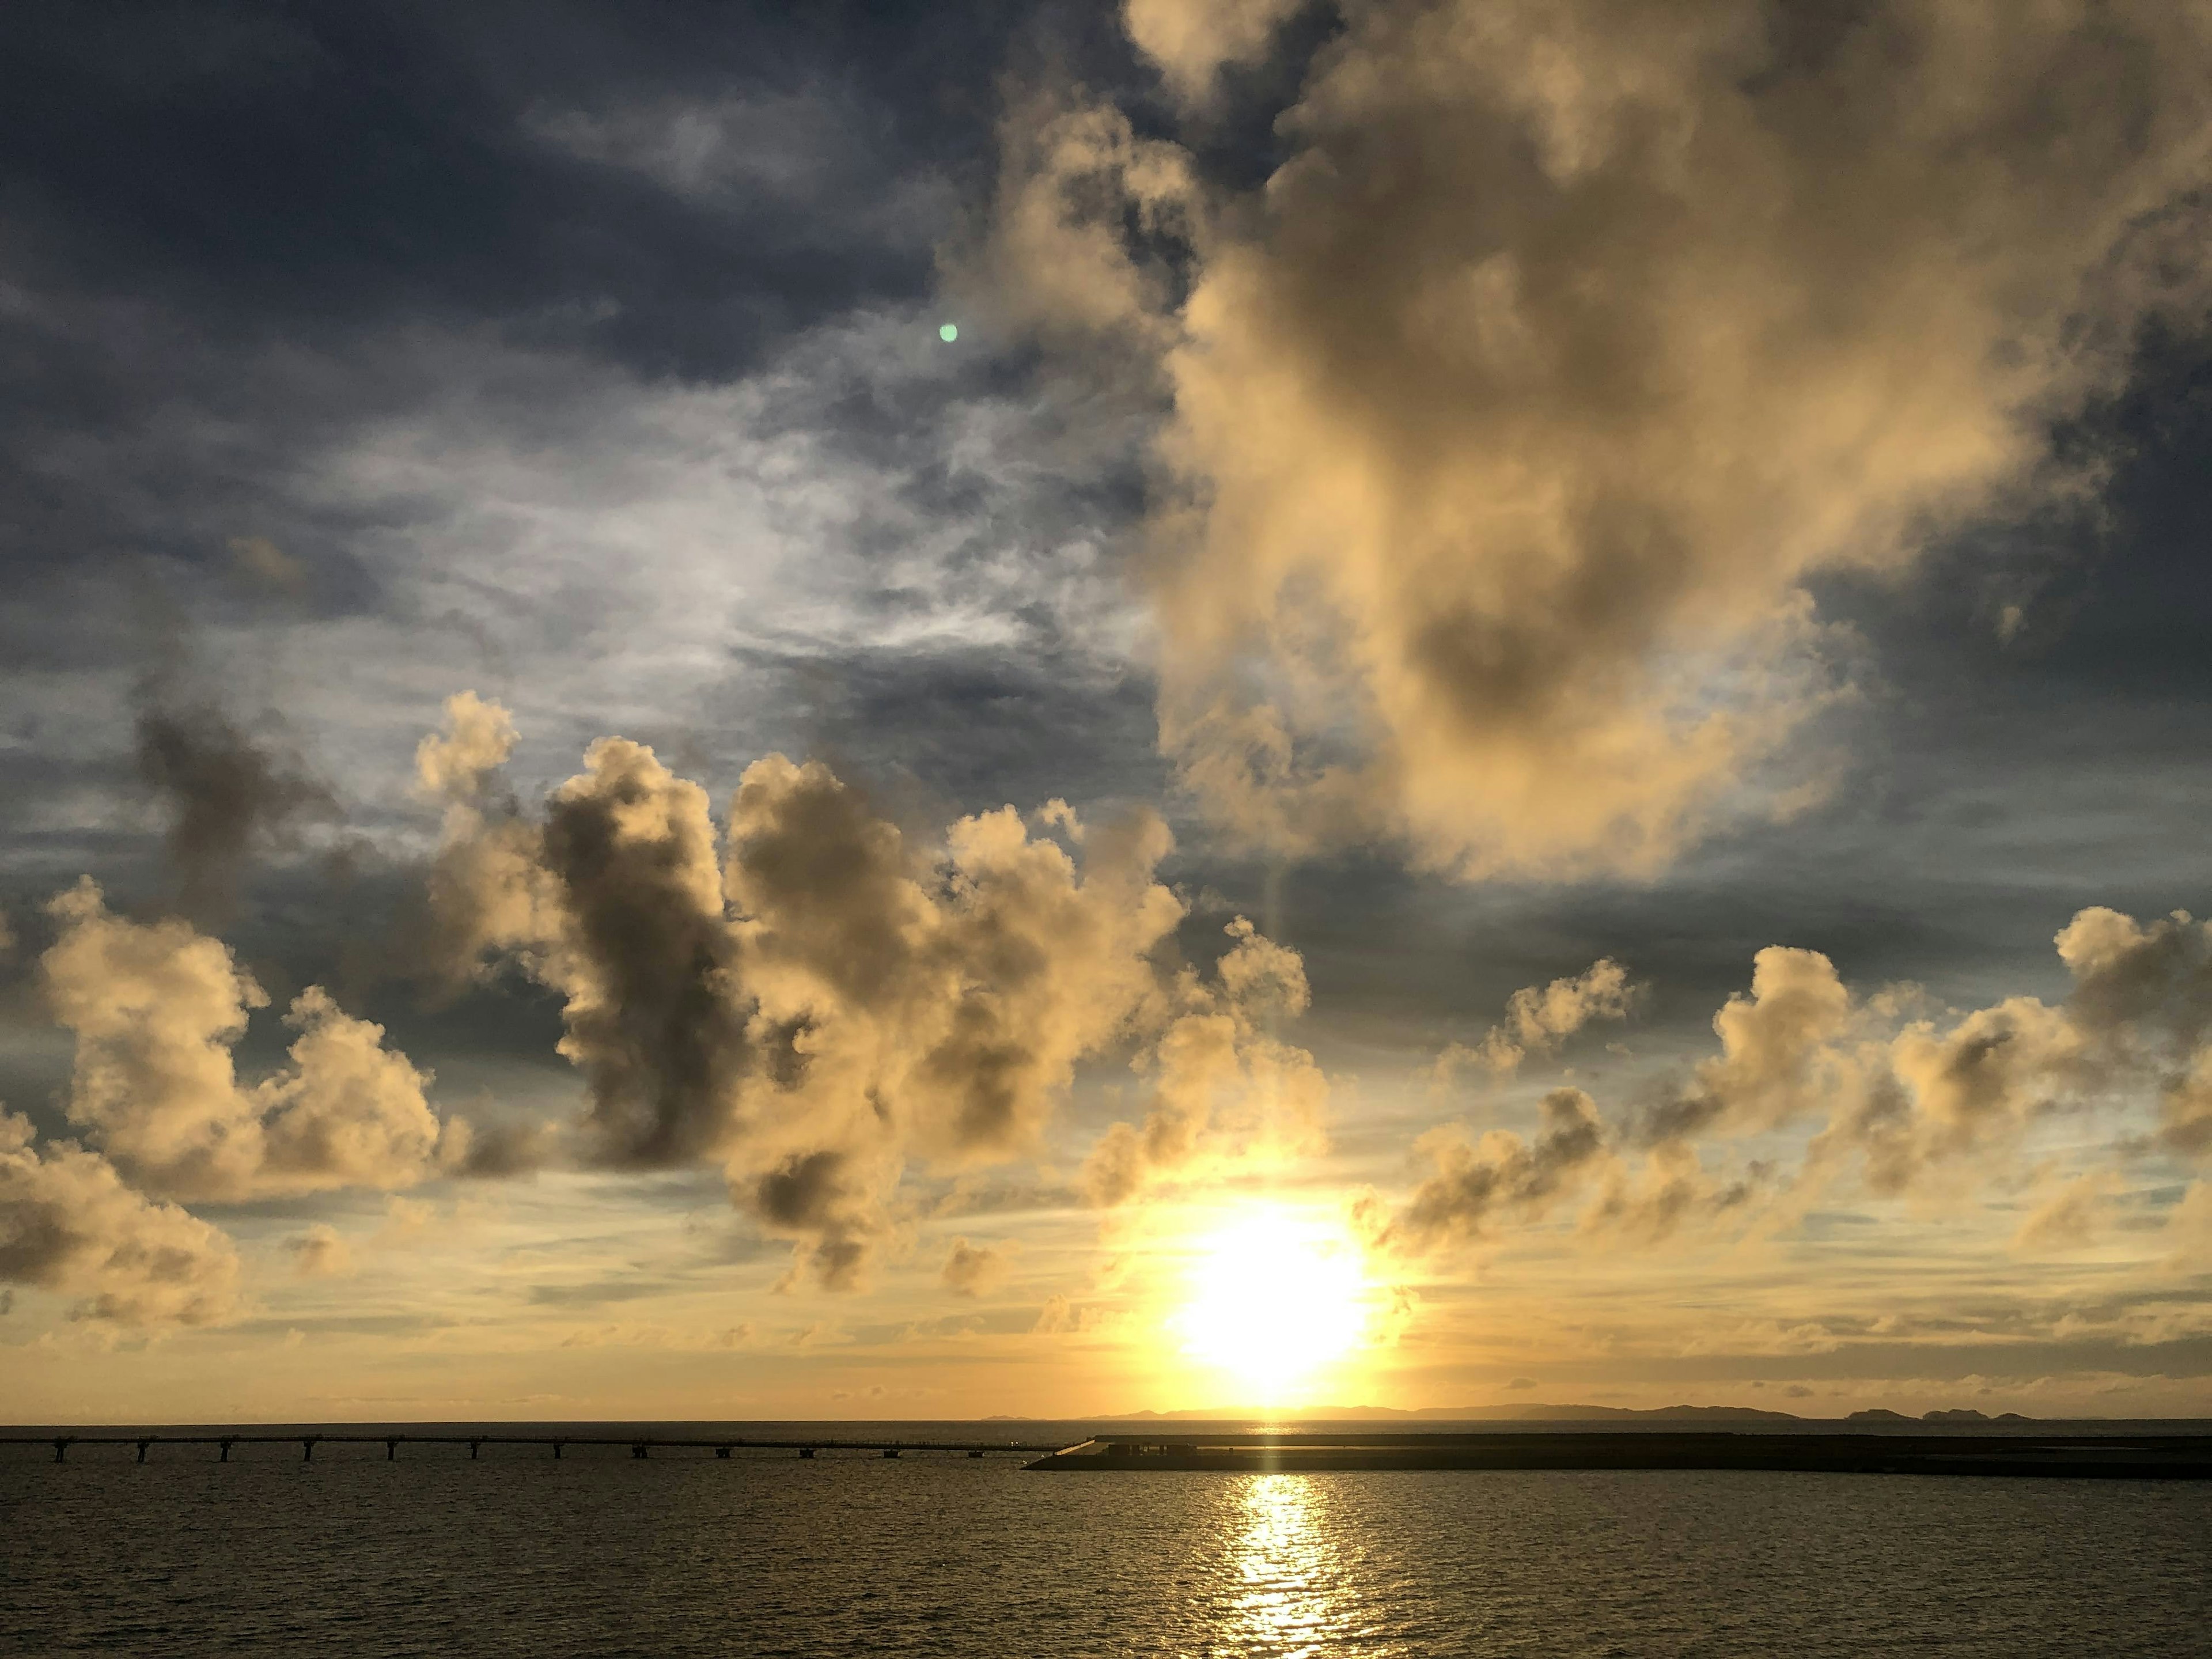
column 1523, row 717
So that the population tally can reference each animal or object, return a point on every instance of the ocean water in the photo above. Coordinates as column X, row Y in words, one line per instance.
column 683, row 1554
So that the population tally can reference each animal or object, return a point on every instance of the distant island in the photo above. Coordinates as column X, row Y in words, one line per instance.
column 1957, row 1414
column 1536, row 1413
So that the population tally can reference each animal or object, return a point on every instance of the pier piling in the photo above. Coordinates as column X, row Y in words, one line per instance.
column 307, row 1447
column 61, row 1448
column 473, row 1444
column 722, row 1452
column 142, row 1444
column 225, row 1444
column 637, row 1449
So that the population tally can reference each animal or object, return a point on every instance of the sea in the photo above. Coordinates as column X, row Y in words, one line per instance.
column 679, row 1553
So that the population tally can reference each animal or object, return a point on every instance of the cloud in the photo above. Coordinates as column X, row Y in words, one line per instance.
column 319, row 1253
column 641, row 953
column 973, row 1270
column 1226, row 1093
column 1670, row 1194
column 156, row 1009
column 2187, row 1108
column 1903, row 1095
column 349, row 1113
column 1192, row 40
column 815, row 1001
column 1071, row 173
column 450, row 764
column 1569, row 342
column 498, row 1150
column 1778, row 1054
column 1500, row 1176
column 2066, row 1219
column 224, row 792
column 1898, row 1096
column 2142, row 999
column 70, row 1223
column 1538, row 1020
column 2188, row 1229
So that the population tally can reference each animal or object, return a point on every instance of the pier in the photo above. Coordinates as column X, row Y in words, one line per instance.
column 639, row 1446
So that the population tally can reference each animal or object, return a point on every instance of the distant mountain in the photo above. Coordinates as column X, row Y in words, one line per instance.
column 1534, row 1414
column 1531, row 1413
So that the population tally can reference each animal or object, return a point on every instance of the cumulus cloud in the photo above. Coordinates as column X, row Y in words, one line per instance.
column 1537, row 1020
column 1778, row 1052
column 157, row 1008
column 451, row 764
column 1895, row 1096
column 69, row 1222
column 225, row 794
column 973, row 1270
column 1226, row 1093
column 1512, row 416
column 811, row 1000
column 1501, row 1175
column 1903, row 1095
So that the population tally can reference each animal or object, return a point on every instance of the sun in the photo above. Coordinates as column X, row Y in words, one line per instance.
column 1275, row 1301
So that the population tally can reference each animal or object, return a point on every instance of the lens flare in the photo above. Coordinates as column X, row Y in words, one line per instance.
column 949, row 333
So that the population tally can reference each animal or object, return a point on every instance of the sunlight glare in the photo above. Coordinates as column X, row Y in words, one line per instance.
column 1274, row 1300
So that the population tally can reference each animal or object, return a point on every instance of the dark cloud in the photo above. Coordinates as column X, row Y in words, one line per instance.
column 226, row 795
column 817, row 1200
column 1500, row 1177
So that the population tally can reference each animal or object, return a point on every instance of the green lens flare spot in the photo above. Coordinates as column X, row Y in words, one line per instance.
column 948, row 333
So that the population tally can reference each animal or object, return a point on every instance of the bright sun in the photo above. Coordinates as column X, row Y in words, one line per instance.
column 1275, row 1300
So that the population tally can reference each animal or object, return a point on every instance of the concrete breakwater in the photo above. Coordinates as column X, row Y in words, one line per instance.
column 2065, row 1455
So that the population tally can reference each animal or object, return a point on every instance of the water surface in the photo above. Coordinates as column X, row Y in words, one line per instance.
column 685, row 1554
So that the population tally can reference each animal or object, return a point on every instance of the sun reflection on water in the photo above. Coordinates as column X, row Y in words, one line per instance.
column 1286, row 1601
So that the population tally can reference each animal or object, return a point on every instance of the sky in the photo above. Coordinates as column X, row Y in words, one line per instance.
column 1518, row 718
